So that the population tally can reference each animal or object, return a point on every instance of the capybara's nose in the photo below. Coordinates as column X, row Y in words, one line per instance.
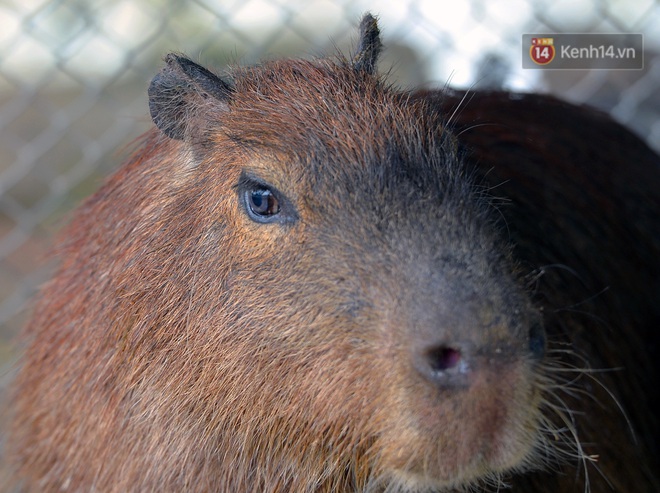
column 446, row 364
column 451, row 340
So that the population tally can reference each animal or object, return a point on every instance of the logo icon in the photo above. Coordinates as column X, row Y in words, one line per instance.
column 542, row 50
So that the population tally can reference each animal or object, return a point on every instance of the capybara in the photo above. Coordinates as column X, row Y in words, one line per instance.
column 307, row 280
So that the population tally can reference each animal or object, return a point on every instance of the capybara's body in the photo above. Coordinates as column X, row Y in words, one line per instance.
column 305, row 280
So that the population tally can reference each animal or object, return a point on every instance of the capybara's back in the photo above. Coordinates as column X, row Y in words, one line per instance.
column 306, row 280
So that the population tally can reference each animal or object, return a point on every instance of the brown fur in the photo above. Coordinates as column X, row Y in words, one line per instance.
column 380, row 334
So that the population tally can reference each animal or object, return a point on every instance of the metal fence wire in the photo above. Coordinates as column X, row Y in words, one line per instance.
column 74, row 73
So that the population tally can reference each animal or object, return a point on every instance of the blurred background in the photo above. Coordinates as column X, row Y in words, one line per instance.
column 74, row 74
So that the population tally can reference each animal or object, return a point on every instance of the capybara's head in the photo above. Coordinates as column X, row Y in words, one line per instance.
column 294, row 286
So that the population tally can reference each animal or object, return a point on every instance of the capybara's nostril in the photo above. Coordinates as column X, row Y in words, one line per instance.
column 537, row 340
column 443, row 358
column 441, row 365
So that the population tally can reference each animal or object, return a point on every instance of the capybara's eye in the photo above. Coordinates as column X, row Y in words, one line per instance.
column 262, row 203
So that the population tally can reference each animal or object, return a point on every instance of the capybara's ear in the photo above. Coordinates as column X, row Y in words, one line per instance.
column 179, row 94
column 369, row 45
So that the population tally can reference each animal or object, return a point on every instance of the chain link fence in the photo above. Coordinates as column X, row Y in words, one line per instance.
column 74, row 73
